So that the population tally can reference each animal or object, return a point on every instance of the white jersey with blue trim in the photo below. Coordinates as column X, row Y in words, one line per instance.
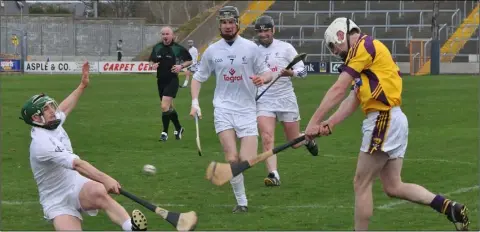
column 277, row 56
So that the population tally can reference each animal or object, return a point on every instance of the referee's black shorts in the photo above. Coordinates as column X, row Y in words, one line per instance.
column 168, row 88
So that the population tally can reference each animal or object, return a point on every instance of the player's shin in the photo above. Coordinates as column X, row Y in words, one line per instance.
column 238, row 187
column 363, row 207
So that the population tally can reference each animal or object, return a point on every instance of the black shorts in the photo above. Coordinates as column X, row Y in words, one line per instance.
column 168, row 89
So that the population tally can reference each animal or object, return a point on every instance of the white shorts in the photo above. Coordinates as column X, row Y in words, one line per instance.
column 283, row 109
column 386, row 131
column 70, row 204
column 244, row 124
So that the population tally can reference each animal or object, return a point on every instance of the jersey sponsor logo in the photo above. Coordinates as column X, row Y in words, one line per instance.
column 274, row 69
column 218, row 60
column 232, row 78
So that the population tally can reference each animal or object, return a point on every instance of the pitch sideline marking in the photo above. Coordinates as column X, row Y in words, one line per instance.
column 387, row 206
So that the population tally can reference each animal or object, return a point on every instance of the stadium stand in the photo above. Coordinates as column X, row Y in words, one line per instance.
column 396, row 23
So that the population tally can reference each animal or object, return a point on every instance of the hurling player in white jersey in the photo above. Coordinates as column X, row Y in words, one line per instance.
column 279, row 102
column 193, row 68
column 67, row 185
column 239, row 69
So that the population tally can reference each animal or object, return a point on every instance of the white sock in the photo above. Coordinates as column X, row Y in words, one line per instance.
column 127, row 225
column 185, row 83
column 276, row 174
column 239, row 190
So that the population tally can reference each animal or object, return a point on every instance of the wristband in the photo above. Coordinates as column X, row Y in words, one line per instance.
column 195, row 102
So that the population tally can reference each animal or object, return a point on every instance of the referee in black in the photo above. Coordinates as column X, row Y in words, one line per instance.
column 166, row 57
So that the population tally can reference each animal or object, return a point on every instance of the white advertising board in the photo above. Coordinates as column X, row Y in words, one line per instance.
column 57, row 67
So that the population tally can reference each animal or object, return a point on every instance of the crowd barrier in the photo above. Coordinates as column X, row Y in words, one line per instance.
column 58, row 67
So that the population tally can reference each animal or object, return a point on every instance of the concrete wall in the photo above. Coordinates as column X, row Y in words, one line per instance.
column 60, row 36
column 448, row 68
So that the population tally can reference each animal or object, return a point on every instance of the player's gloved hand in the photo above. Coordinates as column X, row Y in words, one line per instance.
column 257, row 80
column 195, row 109
column 111, row 185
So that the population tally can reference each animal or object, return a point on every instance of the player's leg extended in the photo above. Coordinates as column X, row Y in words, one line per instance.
column 291, row 127
column 94, row 196
column 187, row 77
column 394, row 187
column 66, row 222
column 266, row 125
column 368, row 168
column 229, row 144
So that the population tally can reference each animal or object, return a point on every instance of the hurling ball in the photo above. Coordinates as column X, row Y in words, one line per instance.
column 149, row 169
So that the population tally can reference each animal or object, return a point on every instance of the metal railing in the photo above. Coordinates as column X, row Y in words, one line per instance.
column 456, row 17
column 401, row 8
column 407, row 27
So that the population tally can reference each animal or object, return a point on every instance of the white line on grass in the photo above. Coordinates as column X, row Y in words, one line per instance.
column 408, row 159
column 292, row 207
column 458, row 191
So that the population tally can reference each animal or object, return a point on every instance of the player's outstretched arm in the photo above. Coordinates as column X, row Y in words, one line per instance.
column 332, row 98
column 67, row 105
column 89, row 171
column 347, row 108
column 195, row 92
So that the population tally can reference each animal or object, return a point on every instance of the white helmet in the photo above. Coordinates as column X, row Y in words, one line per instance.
column 336, row 32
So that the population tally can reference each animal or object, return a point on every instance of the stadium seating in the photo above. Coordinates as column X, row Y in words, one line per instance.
column 396, row 23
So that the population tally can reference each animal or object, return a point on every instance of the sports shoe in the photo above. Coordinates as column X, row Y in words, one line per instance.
column 240, row 209
column 271, row 180
column 312, row 147
column 178, row 135
column 458, row 216
column 139, row 221
column 164, row 136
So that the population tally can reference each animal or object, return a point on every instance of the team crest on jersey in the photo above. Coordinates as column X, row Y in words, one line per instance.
column 244, row 60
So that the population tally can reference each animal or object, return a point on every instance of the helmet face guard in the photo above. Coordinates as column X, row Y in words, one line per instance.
column 227, row 14
column 337, row 33
column 36, row 106
column 263, row 26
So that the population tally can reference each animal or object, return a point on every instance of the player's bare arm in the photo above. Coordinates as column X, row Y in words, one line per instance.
column 89, row 171
column 332, row 98
column 348, row 106
column 263, row 78
column 70, row 102
column 195, row 91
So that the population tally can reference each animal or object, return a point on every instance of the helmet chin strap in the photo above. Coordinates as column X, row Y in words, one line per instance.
column 52, row 125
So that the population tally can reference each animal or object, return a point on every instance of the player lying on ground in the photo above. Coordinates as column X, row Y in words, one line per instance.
column 193, row 68
column 377, row 87
column 279, row 102
column 69, row 186
column 238, row 67
column 164, row 59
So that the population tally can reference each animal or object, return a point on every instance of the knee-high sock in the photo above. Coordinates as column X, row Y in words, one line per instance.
column 166, row 120
column 174, row 118
column 239, row 190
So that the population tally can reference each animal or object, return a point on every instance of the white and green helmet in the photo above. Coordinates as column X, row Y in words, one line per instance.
column 35, row 106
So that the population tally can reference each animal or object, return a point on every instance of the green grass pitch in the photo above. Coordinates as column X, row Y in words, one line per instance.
column 117, row 123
